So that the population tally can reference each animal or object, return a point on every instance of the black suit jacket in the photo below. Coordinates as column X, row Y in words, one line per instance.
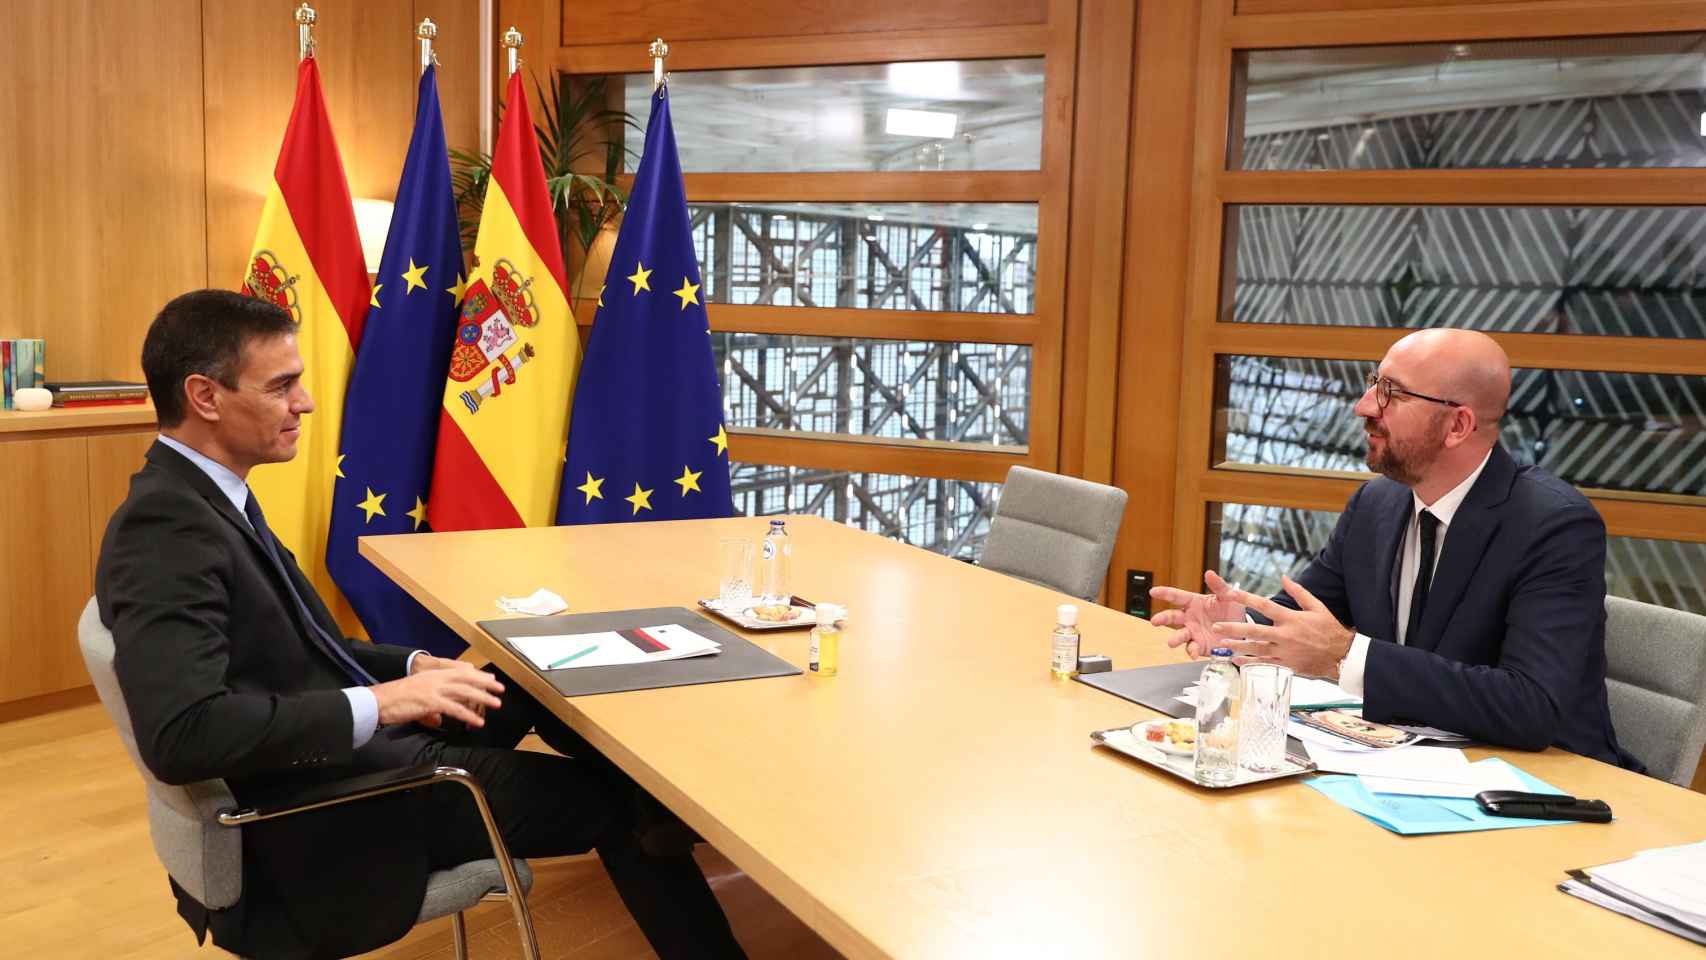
column 222, row 682
column 1511, row 646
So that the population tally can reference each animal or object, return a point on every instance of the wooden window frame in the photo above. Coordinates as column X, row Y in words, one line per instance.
column 1049, row 188
column 1215, row 189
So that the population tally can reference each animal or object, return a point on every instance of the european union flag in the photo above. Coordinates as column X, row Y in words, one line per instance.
column 391, row 409
column 646, row 439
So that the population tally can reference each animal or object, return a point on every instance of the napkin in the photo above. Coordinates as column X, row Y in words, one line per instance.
column 539, row 603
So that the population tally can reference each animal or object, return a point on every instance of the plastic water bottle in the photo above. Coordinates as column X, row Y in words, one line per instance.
column 1063, row 645
column 1217, row 728
column 773, row 567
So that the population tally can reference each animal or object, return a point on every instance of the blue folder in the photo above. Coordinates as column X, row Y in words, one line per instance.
column 1409, row 816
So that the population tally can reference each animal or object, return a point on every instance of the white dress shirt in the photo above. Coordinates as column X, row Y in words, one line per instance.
column 1352, row 668
column 364, row 708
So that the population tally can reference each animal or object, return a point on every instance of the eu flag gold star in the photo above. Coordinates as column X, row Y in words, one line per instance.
column 688, row 481
column 338, row 468
column 419, row 513
column 689, row 293
column 641, row 498
column 459, row 289
column 373, row 298
column 414, row 276
column 641, row 278
column 593, row 488
column 721, row 439
column 375, row 503
column 601, row 294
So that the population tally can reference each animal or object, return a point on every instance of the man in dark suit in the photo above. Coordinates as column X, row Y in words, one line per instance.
column 1458, row 590
column 233, row 668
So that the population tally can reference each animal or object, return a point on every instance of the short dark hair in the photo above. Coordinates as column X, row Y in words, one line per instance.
column 204, row 331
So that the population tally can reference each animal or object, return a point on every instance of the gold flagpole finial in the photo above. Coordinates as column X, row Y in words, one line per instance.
column 512, row 45
column 659, row 50
column 305, row 17
column 425, row 33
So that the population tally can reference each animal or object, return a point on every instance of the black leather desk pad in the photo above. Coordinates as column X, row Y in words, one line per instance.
column 1153, row 687
column 740, row 659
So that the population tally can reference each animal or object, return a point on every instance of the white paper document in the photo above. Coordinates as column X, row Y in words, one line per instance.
column 1436, row 764
column 1670, row 880
column 1305, row 692
column 612, row 647
column 1480, row 776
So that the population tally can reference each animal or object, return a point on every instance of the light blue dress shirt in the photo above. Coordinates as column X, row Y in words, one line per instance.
column 364, row 708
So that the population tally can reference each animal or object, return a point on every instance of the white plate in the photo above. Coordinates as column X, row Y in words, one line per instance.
column 807, row 617
column 1140, row 733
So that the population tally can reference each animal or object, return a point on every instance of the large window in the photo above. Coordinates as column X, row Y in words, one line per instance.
column 885, row 312
column 1544, row 190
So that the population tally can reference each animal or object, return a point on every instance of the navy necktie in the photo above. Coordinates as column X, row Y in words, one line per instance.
column 327, row 644
column 1424, row 575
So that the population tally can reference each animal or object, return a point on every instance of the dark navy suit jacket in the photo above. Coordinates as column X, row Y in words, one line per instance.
column 1511, row 646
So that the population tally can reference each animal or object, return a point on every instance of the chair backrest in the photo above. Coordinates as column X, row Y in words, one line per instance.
column 1656, row 683
column 1055, row 531
column 205, row 858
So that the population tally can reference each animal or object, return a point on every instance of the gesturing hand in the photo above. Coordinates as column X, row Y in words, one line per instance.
column 445, row 688
column 1194, row 619
column 1310, row 640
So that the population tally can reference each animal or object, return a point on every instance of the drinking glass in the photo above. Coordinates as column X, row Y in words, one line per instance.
column 734, row 571
column 1266, row 707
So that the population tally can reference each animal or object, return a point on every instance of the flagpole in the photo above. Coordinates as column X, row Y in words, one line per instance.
column 425, row 34
column 305, row 18
column 512, row 45
column 659, row 50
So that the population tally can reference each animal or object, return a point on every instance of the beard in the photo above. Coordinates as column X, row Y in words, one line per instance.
column 1405, row 461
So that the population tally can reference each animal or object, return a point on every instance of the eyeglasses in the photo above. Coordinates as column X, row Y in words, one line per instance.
column 1385, row 390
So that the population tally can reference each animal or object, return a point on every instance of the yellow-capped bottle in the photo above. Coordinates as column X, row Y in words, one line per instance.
column 825, row 657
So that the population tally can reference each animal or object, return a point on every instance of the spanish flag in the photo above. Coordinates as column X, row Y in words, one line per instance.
column 307, row 259
column 502, row 431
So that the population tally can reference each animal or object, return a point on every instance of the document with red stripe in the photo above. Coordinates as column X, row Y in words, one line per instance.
column 667, row 641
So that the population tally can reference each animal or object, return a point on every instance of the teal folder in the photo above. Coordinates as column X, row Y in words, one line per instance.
column 1410, row 816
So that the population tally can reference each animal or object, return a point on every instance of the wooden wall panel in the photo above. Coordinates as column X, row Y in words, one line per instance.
column 1096, row 244
column 638, row 21
column 113, row 458
column 1246, row 7
column 101, row 199
column 50, row 570
column 458, row 49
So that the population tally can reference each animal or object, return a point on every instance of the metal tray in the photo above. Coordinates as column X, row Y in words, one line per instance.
column 805, row 621
column 1120, row 740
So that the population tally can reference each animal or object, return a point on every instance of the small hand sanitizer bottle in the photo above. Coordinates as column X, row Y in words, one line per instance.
column 1063, row 661
column 826, row 641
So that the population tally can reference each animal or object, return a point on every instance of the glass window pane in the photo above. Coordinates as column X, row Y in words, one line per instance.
column 947, row 516
column 1253, row 546
column 1580, row 102
column 1642, row 432
column 977, row 258
column 976, row 393
column 1604, row 271
column 941, row 115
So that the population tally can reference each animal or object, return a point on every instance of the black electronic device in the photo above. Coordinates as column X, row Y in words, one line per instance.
column 1542, row 806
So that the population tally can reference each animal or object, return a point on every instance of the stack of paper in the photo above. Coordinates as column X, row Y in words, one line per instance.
column 1416, row 771
column 667, row 641
column 1665, row 888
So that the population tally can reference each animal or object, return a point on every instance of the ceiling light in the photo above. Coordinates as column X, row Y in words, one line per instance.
column 875, row 217
column 928, row 79
column 980, row 226
column 921, row 123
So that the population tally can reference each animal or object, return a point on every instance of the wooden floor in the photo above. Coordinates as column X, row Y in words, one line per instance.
column 78, row 876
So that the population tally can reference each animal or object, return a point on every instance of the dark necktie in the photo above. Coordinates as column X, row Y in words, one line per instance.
column 329, row 646
column 1424, row 574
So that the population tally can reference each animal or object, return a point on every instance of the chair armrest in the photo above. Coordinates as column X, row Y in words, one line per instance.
column 341, row 791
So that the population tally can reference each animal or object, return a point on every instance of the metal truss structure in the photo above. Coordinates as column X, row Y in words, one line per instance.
column 1582, row 270
column 930, row 391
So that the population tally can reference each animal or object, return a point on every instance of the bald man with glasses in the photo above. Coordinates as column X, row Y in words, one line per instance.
column 1458, row 590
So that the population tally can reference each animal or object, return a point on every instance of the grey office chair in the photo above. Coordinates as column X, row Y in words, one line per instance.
column 1055, row 531
column 191, row 825
column 1656, row 682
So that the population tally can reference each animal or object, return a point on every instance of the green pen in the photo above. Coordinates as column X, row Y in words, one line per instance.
column 1317, row 707
column 572, row 656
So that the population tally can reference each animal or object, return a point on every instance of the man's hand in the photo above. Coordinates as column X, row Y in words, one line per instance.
column 436, row 689
column 1197, row 613
column 1311, row 641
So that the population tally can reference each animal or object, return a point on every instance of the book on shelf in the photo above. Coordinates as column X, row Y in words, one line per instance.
column 87, row 393
column 23, row 364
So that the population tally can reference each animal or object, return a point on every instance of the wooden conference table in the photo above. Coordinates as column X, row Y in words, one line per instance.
column 940, row 798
